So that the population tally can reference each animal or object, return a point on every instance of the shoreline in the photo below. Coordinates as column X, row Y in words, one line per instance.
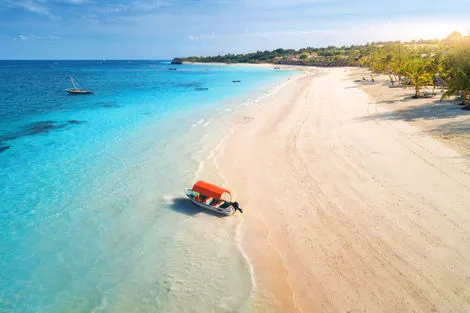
column 212, row 170
column 308, row 196
column 272, row 289
column 304, row 68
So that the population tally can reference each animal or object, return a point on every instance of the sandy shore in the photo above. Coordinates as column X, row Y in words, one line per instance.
column 263, row 65
column 346, row 209
column 443, row 120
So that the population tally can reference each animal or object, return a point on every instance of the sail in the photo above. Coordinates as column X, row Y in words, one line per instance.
column 77, row 89
column 74, row 83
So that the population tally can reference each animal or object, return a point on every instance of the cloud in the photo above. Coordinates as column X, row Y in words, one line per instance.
column 137, row 28
column 41, row 7
column 149, row 5
column 32, row 6
column 197, row 38
column 137, row 6
column 292, row 33
column 269, row 4
column 74, row 1
column 35, row 37
column 28, row 37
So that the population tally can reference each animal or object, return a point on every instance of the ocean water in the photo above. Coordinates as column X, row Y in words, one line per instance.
column 93, row 216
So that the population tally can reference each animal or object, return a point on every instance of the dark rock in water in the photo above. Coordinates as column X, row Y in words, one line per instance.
column 75, row 122
column 177, row 61
column 7, row 137
column 111, row 105
column 4, row 148
column 41, row 127
column 195, row 84
column 37, row 128
column 108, row 104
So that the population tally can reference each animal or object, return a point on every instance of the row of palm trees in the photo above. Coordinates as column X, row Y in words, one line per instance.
column 446, row 63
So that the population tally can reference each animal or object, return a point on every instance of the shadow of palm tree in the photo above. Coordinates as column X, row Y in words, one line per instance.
column 454, row 128
column 185, row 206
column 430, row 111
column 388, row 101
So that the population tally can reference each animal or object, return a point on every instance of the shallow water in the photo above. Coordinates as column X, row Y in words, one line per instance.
column 93, row 217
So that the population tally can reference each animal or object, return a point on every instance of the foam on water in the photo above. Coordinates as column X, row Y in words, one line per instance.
column 93, row 217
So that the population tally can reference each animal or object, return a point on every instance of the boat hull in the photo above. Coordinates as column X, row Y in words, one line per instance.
column 224, row 211
column 78, row 92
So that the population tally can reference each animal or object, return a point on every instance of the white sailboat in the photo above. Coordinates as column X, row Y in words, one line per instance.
column 77, row 89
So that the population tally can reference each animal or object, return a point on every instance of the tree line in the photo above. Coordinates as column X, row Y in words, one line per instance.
column 442, row 64
column 439, row 63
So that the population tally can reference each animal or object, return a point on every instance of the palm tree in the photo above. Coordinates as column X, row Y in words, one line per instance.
column 417, row 70
column 400, row 59
column 373, row 62
column 458, row 69
column 459, row 85
column 387, row 60
column 435, row 67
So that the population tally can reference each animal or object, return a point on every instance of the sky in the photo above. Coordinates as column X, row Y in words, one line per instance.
column 163, row 29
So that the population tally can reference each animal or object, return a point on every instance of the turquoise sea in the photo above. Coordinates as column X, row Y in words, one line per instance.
column 92, row 213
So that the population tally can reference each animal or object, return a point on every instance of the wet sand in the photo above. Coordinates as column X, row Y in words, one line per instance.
column 347, row 209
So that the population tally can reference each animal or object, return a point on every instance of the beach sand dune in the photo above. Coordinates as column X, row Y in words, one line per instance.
column 345, row 212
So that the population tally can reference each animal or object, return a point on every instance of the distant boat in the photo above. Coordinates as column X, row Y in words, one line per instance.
column 277, row 68
column 77, row 90
column 172, row 69
column 201, row 88
column 236, row 81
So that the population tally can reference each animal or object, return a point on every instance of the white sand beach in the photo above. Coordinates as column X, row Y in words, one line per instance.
column 441, row 119
column 349, row 208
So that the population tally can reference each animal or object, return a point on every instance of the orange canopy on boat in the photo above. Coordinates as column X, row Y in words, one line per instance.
column 210, row 190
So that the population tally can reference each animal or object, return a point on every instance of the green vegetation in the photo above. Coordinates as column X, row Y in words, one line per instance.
column 457, row 71
column 409, row 64
column 330, row 56
column 419, row 73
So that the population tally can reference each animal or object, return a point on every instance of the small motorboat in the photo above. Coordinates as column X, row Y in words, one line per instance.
column 212, row 197
column 236, row 81
column 172, row 69
column 77, row 90
column 201, row 88
column 277, row 68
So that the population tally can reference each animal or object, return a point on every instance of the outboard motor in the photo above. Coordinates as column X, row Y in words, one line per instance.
column 237, row 207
